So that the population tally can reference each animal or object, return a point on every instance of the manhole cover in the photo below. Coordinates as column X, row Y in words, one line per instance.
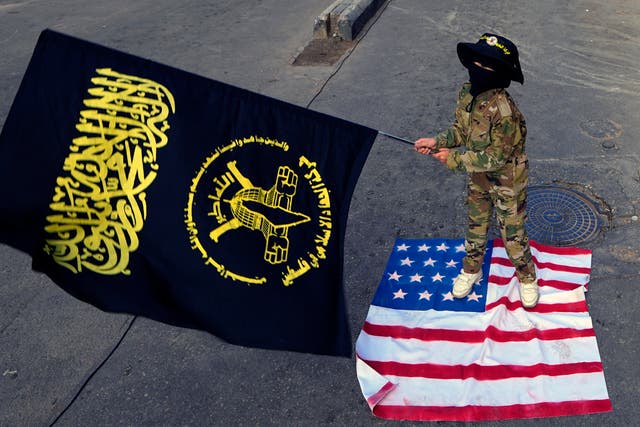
column 562, row 216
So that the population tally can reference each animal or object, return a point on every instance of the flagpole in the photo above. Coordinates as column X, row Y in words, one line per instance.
column 405, row 140
column 397, row 138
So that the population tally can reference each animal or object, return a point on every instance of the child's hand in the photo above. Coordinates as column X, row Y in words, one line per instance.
column 425, row 145
column 442, row 155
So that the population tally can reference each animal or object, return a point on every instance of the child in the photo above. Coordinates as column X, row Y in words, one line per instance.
column 493, row 131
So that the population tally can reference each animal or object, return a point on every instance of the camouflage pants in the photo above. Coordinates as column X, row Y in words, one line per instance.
column 483, row 196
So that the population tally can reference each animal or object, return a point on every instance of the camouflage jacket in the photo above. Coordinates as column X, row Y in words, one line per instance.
column 491, row 129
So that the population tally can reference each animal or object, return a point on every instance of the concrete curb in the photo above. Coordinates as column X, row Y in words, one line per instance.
column 344, row 18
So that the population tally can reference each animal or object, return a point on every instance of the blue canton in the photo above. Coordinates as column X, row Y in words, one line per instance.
column 419, row 276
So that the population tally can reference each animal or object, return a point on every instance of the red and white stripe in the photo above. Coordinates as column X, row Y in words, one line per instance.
column 506, row 362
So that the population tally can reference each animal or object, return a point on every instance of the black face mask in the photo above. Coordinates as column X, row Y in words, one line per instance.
column 483, row 80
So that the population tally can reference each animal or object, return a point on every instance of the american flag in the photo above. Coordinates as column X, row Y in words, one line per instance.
column 423, row 355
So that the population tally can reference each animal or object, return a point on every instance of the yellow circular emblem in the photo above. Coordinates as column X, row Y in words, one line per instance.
column 258, row 213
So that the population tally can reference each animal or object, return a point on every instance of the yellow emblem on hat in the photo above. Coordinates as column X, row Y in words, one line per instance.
column 493, row 41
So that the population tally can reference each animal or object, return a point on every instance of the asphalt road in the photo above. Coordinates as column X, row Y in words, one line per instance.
column 580, row 98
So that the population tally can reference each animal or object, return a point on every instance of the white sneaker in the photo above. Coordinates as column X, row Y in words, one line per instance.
column 529, row 294
column 464, row 282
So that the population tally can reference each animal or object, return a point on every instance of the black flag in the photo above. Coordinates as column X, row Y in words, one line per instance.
column 144, row 189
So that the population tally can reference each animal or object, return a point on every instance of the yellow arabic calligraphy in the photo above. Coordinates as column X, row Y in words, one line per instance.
column 493, row 41
column 99, row 204
column 318, row 186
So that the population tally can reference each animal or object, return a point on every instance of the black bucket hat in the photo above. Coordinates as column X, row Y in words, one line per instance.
column 495, row 49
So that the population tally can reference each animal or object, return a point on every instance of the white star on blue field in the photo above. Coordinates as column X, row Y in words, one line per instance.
column 419, row 276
